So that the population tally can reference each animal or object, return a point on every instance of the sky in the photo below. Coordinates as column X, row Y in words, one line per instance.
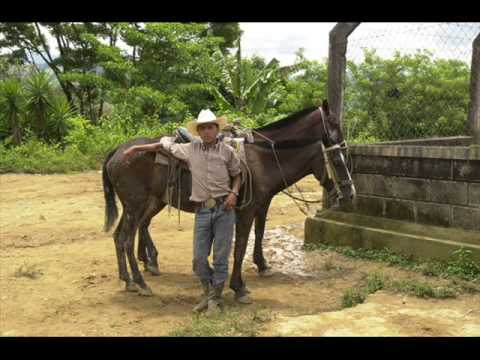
column 282, row 40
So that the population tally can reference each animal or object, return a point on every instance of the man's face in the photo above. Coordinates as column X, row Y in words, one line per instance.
column 208, row 132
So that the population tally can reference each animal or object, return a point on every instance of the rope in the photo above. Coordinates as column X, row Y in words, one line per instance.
column 272, row 143
column 304, row 200
column 247, row 191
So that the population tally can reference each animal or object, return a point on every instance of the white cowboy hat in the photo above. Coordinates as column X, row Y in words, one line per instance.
column 206, row 117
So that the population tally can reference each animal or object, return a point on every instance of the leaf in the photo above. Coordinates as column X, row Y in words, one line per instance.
column 224, row 104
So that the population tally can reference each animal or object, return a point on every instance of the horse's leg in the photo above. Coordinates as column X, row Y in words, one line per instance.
column 119, row 238
column 242, row 230
column 151, row 253
column 147, row 251
column 258, row 259
column 130, row 225
column 151, row 259
column 142, row 247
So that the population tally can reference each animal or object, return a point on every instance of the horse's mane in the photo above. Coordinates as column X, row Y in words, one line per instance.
column 287, row 144
column 288, row 120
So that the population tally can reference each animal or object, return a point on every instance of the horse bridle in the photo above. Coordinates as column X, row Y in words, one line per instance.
column 326, row 150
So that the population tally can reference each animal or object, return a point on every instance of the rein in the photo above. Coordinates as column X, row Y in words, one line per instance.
column 286, row 192
column 329, row 171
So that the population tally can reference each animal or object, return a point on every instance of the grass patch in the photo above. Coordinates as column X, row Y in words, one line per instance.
column 231, row 322
column 459, row 265
column 375, row 281
column 422, row 290
column 354, row 296
column 29, row 271
column 378, row 281
column 383, row 255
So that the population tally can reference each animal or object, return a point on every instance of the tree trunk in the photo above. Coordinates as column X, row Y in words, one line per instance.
column 16, row 130
column 100, row 108
column 91, row 113
column 82, row 105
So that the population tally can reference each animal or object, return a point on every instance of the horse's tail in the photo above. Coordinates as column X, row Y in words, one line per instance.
column 111, row 211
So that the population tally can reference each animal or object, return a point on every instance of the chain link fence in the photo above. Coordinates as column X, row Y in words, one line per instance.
column 408, row 80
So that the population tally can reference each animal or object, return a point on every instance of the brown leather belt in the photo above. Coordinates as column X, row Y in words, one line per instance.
column 211, row 203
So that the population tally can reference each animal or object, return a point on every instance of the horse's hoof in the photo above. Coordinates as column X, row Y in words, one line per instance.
column 131, row 287
column 145, row 291
column 152, row 269
column 244, row 299
column 265, row 273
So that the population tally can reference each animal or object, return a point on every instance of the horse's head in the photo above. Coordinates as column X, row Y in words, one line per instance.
column 335, row 150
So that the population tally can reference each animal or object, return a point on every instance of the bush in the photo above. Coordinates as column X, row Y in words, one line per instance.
column 86, row 147
column 462, row 265
column 34, row 156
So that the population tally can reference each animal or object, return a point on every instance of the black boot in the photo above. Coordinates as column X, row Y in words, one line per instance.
column 203, row 304
column 215, row 301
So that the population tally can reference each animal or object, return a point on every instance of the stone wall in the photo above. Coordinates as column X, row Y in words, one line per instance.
column 429, row 184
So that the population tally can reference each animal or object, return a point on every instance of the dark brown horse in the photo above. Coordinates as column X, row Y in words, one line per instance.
column 300, row 144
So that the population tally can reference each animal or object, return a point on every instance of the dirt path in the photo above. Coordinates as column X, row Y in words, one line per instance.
column 51, row 227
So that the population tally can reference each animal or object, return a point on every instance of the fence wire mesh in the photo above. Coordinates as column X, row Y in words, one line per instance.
column 408, row 81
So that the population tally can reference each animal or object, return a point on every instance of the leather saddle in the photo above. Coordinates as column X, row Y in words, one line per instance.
column 183, row 136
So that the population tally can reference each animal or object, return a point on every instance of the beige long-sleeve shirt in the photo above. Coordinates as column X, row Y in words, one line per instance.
column 212, row 167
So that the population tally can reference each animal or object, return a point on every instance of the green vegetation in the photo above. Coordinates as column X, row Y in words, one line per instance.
column 230, row 323
column 378, row 281
column 460, row 264
column 406, row 97
column 67, row 114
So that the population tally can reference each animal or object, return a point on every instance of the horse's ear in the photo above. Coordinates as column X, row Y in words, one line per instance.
column 325, row 107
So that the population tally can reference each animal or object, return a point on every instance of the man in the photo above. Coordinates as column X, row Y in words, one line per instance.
column 213, row 166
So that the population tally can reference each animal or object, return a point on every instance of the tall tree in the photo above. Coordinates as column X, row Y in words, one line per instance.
column 12, row 100
column 407, row 96
column 248, row 85
column 75, row 65
column 230, row 32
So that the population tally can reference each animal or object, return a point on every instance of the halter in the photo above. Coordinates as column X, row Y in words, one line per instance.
column 326, row 150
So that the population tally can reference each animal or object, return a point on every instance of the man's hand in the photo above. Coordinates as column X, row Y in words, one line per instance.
column 230, row 201
column 127, row 155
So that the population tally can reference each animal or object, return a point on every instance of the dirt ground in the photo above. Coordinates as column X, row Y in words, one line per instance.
column 51, row 228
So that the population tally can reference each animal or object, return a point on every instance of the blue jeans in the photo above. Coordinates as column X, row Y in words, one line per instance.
column 212, row 227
